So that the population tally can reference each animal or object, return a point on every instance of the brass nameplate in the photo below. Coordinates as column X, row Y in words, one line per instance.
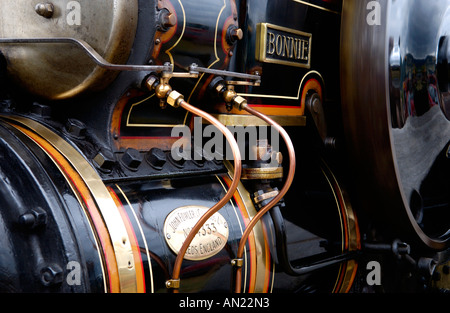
column 281, row 45
column 209, row 241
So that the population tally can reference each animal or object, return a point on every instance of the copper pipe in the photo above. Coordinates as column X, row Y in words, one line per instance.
column 236, row 178
column 275, row 200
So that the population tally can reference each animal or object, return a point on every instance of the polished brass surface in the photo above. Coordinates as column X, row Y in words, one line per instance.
column 115, row 225
column 351, row 240
column 210, row 240
column 250, row 120
column 262, row 173
column 173, row 284
column 59, row 71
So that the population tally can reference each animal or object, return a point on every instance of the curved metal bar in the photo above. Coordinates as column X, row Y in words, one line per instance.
column 94, row 55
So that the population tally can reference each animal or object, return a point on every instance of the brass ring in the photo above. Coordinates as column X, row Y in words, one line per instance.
column 118, row 234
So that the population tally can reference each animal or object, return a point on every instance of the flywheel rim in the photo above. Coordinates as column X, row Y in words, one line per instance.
column 373, row 70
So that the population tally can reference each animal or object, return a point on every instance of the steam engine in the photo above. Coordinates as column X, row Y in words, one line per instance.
column 224, row 146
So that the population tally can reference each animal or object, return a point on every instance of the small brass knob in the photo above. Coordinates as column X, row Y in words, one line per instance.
column 45, row 9
column 234, row 34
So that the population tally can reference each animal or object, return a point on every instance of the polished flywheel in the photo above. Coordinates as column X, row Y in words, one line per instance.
column 396, row 106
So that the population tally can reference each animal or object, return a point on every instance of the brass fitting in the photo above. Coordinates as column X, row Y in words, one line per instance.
column 229, row 95
column 239, row 103
column 173, row 284
column 174, row 98
column 237, row 263
column 151, row 82
column 162, row 90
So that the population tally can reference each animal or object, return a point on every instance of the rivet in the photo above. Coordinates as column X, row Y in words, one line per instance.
column 76, row 128
column 45, row 9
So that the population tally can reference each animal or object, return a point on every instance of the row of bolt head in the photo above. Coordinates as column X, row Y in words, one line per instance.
column 131, row 159
column 155, row 157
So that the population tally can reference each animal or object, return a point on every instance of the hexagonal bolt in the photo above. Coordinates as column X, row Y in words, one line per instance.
column 234, row 34
column 197, row 157
column 167, row 19
column 239, row 103
column 76, row 128
column 152, row 82
column 51, row 275
column 177, row 158
column 104, row 160
column 156, row 158
column 132, row 159
column 41, row 110
column 34, row 218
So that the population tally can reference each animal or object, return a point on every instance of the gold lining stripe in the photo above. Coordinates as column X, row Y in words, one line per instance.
column 110, row 214
column 262, row 258
column 317, row 6
column 240, row 227
column 350, row 233
column 139, row 266
column 152, row 288
column 249, row 95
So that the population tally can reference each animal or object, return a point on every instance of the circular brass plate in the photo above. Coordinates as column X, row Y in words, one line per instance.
column 59, row 71
column 209, row 241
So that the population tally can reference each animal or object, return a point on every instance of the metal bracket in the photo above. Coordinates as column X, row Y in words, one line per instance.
column 173, row 284
column 315, row 106
column 237, row 262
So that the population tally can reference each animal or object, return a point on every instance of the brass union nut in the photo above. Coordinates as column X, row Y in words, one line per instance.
column 174, row 98
column 239, row 102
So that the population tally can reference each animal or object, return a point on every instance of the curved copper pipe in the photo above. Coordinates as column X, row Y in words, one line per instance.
column 236, row 178
column 275, row 200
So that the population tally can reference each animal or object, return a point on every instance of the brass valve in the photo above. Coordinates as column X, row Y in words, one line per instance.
column 229, row 95
column 160, row 86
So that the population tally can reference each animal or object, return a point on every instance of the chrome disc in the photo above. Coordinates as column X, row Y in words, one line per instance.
column 396, row 105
